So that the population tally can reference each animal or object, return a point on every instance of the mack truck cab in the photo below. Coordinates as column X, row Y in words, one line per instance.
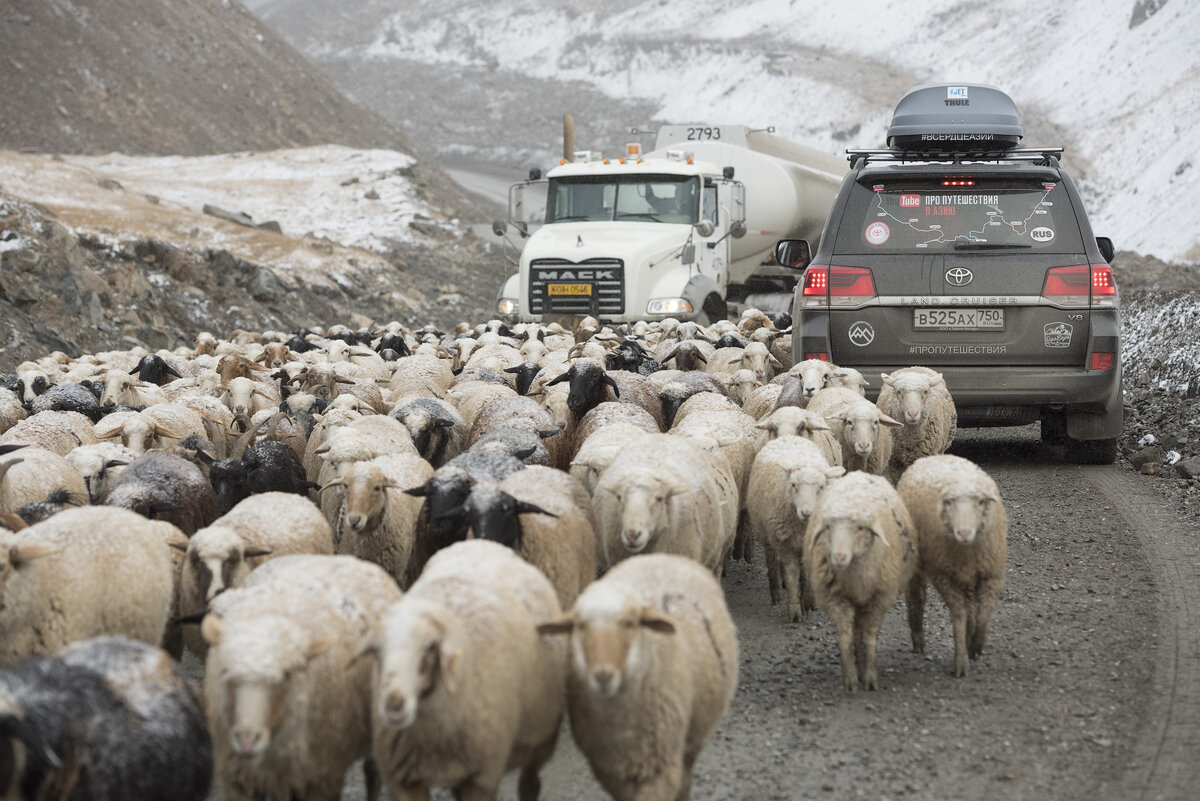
column 685, row 231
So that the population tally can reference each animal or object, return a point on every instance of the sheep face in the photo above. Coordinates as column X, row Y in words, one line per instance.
column 849, row 378
column 217, row 560
column 913, row 397
column 759, row 361
column 965, row 513
column 741, row 384
column 444, row 496
column 862, row 428
column 120, row 389
column 609, row 634
column 32, row 383
column 366, row 497
column 847, row 540
column 790, row 421
column 814, row 376
column 493, row 514
column 806, row 485
column 415, row 658
column 138, row 435
column 261, row 660
column 589, row 386
column 645, row 511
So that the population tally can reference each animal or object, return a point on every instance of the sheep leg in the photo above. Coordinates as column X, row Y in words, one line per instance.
column 739, row 540
column 666, row 786
column 868, row 631
column 843, row 617
column 915, row 602
column 773, row 577
column 529, row 785
column 409, row 792
column 371, row 779
column 792, row 582
column 685, row 778
column 470, row 790
column 957, row 602
column 987, row 595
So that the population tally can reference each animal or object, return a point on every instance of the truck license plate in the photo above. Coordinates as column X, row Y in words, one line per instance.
column 959, row 319
column 569, row 289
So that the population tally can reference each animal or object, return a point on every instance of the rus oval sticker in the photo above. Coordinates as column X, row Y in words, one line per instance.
column 1042, row 234
column 877, row 233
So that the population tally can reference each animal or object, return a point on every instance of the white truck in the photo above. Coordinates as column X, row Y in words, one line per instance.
column 688, row 230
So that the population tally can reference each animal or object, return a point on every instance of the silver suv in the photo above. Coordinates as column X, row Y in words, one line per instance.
column 955, row 250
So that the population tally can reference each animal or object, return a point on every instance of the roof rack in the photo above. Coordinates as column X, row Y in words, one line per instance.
column 1042, row 156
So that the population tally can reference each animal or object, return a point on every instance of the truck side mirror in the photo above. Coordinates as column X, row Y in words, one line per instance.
column 705, row 228
column 737, row 229
column 499, row 227
column 1106, row 248
column 795, row 254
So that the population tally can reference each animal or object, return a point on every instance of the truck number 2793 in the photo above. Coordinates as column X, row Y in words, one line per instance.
column 701, row 134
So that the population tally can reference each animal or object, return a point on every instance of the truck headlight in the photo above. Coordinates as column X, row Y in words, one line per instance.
column 669, row 306
column 507, row 306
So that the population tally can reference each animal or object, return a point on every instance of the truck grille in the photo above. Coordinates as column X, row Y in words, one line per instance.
column 606, row 277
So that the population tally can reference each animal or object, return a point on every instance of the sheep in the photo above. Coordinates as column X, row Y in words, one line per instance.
column 526, row 445
column 790, row 421
column 246, row 396
column 601, row 448
column 814, row 375
column 31, row 382
column 421, row 371
column 83, row 573
column 591, row 385
column 267, row 466
column 153, row 427
column 653, row 667
column 860, row 427
column 29, row 475
column 437, row 429
column 106, row 719
column 741, row 384
column 471, row 397
column 11, row 410
column 378, row 518
column 52, row 504
column 288, row 705
column 762, row 400
column 122, row 389
column 786, row 480
column 673, row 394
column 963, row 529
column 545, row 516
column 359, row 440
column 688, row 354
column 80, row 398
column 158, row 483
column 860, row 550
column 59, row 432
column 918, row 398
column 462, row 645
column 607, row 414
column 755, row 357
column 705, row 402
column 849, row 378
column 667, row 496
column 522, row 412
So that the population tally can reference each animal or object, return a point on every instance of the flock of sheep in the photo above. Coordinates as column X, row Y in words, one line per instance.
column 385, row 545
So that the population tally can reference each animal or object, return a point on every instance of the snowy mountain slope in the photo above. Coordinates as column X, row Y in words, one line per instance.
column 1117, row 81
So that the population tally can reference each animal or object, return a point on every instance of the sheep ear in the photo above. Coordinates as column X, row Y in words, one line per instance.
column 878, row 532
column 547, row 433
column 656, row 622
column 13, row 521
column 559, row 379
column 416, row 492
column 24, row 553
column 818, row 425
column 9, row 447
column 765, row 425
column 194, row 617
column 835, row 472
column 333, row 484
column 210, row 629
column 250, row 553
column 940, row 381
column 889, row 422
column 161, row 507
column 773, row 361
column 563, row 624
column 524, row 453
column 366, row 647
column 319, row 646
column 118, row 463
column 31, row 738
column 179, row 546
column 445, row 424
column 608, row 379
column 526, row 508
column 887, row 379
column 447, row 659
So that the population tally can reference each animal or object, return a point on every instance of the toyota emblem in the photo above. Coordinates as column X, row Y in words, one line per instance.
column 959, row 276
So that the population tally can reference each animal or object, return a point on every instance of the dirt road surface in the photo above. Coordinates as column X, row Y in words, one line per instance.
column 1089, row 687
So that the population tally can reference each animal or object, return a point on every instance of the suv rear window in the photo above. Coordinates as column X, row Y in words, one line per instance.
column 906, row 215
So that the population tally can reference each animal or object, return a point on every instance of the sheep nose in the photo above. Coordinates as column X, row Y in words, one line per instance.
column 839, row 559
column 246, row 742
column 912, row 417
column 633, row 540
column 396, row 712
column 603, row 677
column 862, row 448
column 965, row 534
column 356, row 522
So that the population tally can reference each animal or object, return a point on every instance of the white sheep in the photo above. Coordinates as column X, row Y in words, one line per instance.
column 288, row 706
column 83, row 573
column 123, row 389
column 960, row 519
column 792, row 421
column 465, row 688
column 755, row 357
column 378, row 519
column 666, row 496
column 601, row 448
column 100, row 465
column 860, row 427
column 762, row 400
column 849, row 378
column 156, row 426
column 918, row 398
column 30, row 475
column 11, row 410
column 654, row 665
column 59, row 432
column 786, row 480
column 741, row 385
column 813, row 375
column 860, row 551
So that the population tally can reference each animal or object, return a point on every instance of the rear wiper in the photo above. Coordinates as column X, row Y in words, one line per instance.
column 988, row 246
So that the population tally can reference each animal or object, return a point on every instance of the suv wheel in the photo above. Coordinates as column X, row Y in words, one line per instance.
column 1091, row 451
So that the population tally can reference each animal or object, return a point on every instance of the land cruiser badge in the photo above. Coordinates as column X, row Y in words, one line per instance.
column 1058, row 335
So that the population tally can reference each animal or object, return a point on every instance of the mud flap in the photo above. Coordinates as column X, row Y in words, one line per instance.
column 1107, row 425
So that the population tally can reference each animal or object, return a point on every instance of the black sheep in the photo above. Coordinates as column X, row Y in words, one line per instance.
column 153, row 369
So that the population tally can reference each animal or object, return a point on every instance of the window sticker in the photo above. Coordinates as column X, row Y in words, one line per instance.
column 1042, row 234
column 877, row 233
column 1057, row 335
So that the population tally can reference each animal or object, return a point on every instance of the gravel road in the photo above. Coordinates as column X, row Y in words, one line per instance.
column 1089, row 687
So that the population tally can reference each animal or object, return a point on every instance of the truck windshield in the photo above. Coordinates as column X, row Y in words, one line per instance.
column 907, row 216
column 636, row 198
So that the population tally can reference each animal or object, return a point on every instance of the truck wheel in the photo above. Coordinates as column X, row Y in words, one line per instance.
column 1091, row 451
column 714, row 310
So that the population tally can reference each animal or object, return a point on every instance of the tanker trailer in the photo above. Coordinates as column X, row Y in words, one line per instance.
column 688, row 230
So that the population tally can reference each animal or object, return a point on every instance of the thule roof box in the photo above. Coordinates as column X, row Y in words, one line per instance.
column 945, row 117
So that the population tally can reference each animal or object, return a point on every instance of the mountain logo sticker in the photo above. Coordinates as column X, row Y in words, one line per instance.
column 1058, row 335
column 861, row 333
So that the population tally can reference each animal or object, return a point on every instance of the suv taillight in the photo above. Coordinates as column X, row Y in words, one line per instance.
column 836, row 286
column 1081, row 285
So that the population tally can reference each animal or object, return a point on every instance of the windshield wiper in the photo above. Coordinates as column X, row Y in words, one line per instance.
column 638, row 215
column 574, row 218
column 988, row 246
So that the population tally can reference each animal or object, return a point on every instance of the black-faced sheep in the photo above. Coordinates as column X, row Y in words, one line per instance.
column 168, row 487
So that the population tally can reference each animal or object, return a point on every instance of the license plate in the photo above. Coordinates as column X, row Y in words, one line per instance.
column 569, row 289
column 959, row 319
